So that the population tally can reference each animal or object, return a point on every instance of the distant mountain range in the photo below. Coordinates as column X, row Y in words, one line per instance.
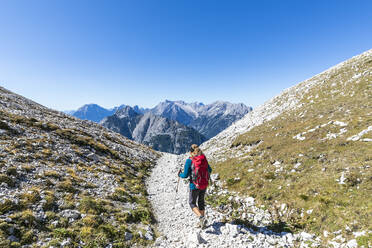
column 96, row 113
column 208, row 119
column 160, row 133
column 171, row 126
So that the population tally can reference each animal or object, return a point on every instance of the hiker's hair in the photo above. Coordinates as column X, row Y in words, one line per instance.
column 195, row 150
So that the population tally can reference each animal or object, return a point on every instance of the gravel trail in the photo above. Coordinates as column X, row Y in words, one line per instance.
column 176, row 222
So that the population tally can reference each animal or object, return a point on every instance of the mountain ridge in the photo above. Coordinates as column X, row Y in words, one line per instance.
column 158, row 132
column 207, row 119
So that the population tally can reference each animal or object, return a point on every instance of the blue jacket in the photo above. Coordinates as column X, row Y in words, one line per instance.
column 187, row 172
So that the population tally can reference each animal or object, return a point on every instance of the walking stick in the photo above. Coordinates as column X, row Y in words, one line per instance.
column 178, row 182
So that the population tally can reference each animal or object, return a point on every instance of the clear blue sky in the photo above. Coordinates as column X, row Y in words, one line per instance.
column 64, row 54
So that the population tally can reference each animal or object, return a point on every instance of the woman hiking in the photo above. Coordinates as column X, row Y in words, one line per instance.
column 198, row 170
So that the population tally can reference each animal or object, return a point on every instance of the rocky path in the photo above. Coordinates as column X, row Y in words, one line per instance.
column 176, row 222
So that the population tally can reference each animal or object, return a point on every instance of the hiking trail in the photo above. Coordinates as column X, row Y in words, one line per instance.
column 176, row 222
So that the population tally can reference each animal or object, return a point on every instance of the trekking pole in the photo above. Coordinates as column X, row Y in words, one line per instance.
column 178, row 182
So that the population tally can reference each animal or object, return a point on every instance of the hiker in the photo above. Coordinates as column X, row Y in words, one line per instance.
column 198, row 170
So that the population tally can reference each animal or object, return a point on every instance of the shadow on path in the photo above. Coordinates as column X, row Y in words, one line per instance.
column 252, row 229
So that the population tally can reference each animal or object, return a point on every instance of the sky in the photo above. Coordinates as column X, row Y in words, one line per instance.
column 64, row 54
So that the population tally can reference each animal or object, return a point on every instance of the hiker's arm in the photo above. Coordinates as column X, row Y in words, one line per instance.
column 186, row 169
column 209, row 169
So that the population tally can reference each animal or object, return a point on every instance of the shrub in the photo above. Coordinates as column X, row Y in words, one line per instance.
column 91, row 206
column 67, row 186
column 92, row 220
column 140, row 215
column 12, row 171
column 30, row 197
column 15, row 245
column 63, row 233
column 109, row 231
column 365, row 241
column 6, row 179
column 86, row 232
column 5, row 126
column 6, row 206
column 50, row 201
column 27, row 218
column 120, row 194
column 52, row 173
column 353, row 179
column 28, row 168
column 27, row 237
column 50, row 215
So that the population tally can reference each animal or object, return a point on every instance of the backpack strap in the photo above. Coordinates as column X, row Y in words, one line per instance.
column 191, row 171
column 190, row 176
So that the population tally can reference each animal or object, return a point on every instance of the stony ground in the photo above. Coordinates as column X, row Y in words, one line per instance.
column 65, row 182
column 176, row 222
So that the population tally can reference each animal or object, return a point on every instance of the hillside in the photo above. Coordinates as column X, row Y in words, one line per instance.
column 68, row 182
column 160, row 133
column 306, row 155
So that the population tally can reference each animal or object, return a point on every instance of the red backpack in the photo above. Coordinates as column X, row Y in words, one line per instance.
column 199, row 172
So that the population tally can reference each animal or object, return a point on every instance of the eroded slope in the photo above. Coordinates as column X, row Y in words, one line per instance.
column 308, row 151
column 67, row 181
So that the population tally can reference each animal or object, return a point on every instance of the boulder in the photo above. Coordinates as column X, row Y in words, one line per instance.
column 128, row 236
column 215, row 177
column 73, row 214
column 233, row 230
column 306, row 236
column 352, row 244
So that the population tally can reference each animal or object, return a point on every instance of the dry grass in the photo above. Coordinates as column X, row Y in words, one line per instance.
column 309, row 169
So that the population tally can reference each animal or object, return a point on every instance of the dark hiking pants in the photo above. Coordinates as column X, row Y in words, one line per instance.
column 196, row 195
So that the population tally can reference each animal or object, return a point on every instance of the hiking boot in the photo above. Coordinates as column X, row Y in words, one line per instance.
column 202, row 222
column 198, row 224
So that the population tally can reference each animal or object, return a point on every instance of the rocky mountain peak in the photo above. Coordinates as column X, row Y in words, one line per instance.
column 156, row 131
column 126, row 112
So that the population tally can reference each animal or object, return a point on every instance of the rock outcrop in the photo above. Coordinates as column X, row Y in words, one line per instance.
column 160, row 133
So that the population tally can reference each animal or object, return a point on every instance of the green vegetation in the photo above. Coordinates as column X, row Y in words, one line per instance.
column 28, row 168
column 305, row 174
column 50, row 201
column 67, row 186
column 53, row 172
column 142, row 215
column 30, row 197
column 11, row 171
column 6, row 179
column 365, row 241
column 120, row 194
column 86, row 140
column 91, row 206
column 6, row 206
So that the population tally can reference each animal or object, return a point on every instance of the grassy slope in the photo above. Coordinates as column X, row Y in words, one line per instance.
column 40, row 176
column 320, row 161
